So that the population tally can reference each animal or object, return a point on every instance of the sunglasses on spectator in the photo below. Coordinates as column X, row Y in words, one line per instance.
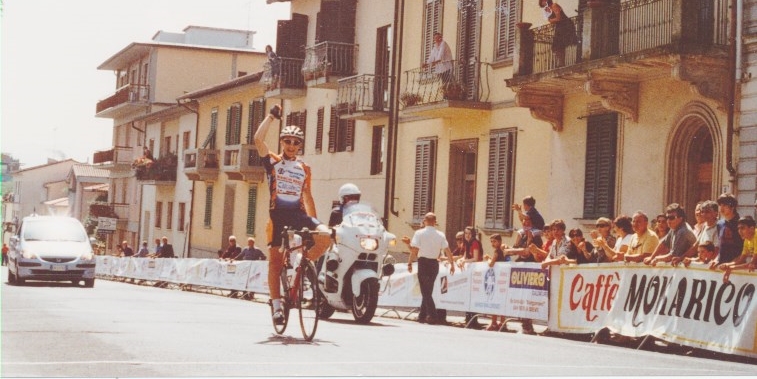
column 602, row 225
column 294, row 142
column 671, row 217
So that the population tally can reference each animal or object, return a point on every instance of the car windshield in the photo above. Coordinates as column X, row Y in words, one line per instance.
column 54, row 230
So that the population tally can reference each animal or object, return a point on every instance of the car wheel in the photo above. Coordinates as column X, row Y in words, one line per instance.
column 19, row 281
column 75, row 282
column 89, row 283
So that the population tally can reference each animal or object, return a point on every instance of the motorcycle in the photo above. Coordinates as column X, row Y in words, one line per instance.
column 348, row 273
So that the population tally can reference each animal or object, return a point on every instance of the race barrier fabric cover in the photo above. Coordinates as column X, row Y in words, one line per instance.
column 690, row 306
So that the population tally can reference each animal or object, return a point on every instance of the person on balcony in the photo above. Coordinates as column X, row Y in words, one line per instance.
column 275, row 63
column 440, row 59
column 565, row 30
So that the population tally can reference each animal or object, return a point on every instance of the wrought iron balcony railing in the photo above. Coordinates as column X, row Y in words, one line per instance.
column 631, row 27
column 283, row 73
column 448, row 80
column 363, row 93
column 329, row 59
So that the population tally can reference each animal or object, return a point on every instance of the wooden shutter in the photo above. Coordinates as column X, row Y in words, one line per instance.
column 349, row 135
column 158, row 214
column 432, row 23
column 254, row 118
column 601, row 162
column 169, row 215
column 210, row 140
column 233, row 124
column 252, row 200
column 425, row 167
column 336, row 21
column 507, row 18
column 291, row 36
column 500, row 178
column 301, row 121
column 377, row 164
column 333, row 125
column 208, row 205
column 319, row 130
column 468, row 26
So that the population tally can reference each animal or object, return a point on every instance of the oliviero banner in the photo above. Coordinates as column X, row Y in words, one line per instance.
column 689, row 306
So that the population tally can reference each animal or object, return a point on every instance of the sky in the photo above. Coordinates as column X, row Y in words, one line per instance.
column 50, row 51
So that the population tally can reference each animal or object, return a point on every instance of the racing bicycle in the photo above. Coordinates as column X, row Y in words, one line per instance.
column 301, row 290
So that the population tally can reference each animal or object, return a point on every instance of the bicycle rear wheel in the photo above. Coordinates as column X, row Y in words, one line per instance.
column 308, row 299
column 280, row 328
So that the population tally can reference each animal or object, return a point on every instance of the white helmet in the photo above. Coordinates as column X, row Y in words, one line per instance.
column 348, row 189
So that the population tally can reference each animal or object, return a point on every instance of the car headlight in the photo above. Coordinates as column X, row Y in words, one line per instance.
column 88, row 256
column 369, row 243
column 29, row 255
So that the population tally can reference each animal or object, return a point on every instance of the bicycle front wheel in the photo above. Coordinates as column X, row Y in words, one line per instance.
column 308, row 299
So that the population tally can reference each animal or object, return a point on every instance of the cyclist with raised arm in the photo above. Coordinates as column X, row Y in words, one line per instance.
column 291, row 204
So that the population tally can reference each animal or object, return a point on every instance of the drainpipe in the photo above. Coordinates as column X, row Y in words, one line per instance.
column 734, row 47
column 188, row 242
column 391, row 151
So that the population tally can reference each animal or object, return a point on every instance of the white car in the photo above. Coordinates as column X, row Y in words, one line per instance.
column 51, row 248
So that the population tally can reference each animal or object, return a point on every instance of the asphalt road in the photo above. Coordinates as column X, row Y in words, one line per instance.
column 125, row 330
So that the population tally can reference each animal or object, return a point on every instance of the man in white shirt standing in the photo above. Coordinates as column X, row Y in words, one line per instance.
column 440, row 58
column 425, row 246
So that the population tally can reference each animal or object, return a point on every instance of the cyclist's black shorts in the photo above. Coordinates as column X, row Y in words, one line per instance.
column 293, row 218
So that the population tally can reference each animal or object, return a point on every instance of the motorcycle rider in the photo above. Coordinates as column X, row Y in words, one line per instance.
column 348, row 194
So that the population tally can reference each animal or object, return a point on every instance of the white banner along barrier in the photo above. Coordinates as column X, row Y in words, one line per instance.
column 688, row 306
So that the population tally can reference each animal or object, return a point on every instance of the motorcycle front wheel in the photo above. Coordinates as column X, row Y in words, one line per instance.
column 364, row 306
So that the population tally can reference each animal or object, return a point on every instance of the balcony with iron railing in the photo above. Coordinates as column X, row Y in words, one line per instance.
column 242, row 162
column 327, row 62
column 118, row 158
column 127, row 99
column 618, row 46
column 446, row 89
column 363, row 97
column 161, row 171
column 201, row 164
column 283, row 79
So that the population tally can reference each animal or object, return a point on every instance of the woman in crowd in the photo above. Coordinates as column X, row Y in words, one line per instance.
column 604, row 227
column 624, row 233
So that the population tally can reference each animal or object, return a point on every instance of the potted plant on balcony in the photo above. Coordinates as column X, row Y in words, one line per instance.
column 409, row 99
column 453, row 91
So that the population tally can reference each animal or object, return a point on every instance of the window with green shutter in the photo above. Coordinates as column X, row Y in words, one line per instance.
column 210, row 140
column 341, row 133
column 233, row 124
column 255, row 116
column 377, row 150
column 500, row 179
column 508, row 12
column 425, row 174
column 208, row 205
column 319, row 130
column 432, row 23
column 601, row 162
column 252, row 200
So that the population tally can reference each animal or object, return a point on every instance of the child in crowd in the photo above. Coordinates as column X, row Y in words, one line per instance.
column 498, row 255
column 705, row 254
column 748, row 258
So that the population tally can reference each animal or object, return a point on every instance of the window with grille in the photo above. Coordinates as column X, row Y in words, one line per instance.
column 158, row 213
column 208, row 205
column 255, row 116
column 169, row 215
column 432, row 23
column 377, row 150
column 508, row 13
column 252, row 200
column 601, row 162
column 181, row 219
column 341, row 133
column 500, row 179
column 233, row 124
column 425, row 175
